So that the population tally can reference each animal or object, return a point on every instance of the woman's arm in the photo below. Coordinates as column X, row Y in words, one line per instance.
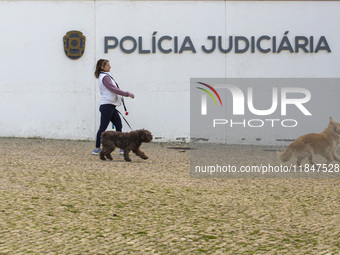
column 110, row 86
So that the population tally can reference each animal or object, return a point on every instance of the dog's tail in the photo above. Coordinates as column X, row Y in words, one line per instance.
column 287, row 154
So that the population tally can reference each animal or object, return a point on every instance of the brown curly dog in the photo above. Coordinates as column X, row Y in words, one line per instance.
column 129, row 141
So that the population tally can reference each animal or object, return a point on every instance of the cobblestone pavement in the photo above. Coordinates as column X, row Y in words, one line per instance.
column 57, row 198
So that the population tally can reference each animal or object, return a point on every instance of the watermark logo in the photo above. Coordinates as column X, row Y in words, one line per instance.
column 204, row 97
column 239, row 100
column 254, row 111
column 253, row 103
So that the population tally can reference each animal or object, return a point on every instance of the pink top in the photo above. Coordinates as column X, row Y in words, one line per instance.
column 113, row 88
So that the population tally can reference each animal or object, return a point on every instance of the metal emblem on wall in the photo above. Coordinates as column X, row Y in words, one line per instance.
column 74, row 44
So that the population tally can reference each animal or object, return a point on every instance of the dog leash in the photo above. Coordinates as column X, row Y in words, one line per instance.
column 124, row 119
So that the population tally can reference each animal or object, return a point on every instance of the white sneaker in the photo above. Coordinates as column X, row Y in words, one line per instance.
column 96, row 151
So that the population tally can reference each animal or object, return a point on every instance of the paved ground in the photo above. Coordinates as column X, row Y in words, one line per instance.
column 57, row 198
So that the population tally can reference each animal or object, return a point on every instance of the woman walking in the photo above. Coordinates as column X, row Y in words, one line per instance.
column 111, row 97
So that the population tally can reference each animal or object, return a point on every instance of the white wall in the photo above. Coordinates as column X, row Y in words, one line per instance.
column 42, row 92
column 45, row 94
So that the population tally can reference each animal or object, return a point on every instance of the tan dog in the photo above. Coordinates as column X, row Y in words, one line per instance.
column 324, row 144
